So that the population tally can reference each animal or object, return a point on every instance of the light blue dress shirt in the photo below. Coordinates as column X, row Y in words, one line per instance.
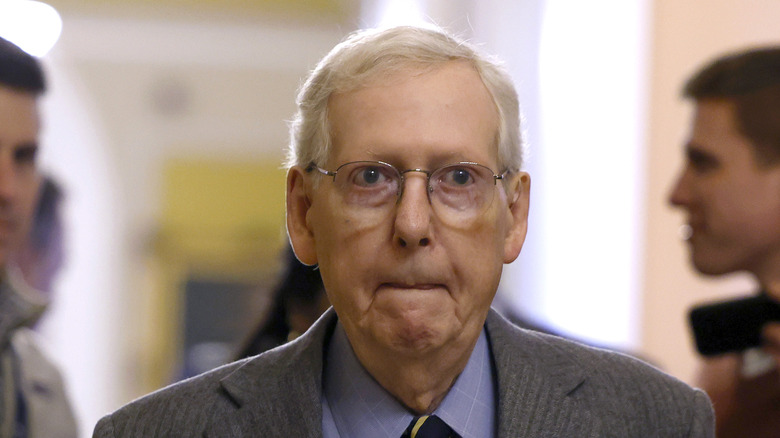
column 355, row 405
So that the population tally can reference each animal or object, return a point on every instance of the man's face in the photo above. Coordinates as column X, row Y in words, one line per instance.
column 405, row 281
column 732, row 203
column 19, row 179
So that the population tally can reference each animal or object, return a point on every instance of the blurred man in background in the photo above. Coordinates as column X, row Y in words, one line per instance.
column 730, row 192
column 32, row 398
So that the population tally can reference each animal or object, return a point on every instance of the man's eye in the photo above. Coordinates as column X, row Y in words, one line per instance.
column 701, row 159
column 369, row 176
column 26, row 154
column 703, row 162
column 458, row 176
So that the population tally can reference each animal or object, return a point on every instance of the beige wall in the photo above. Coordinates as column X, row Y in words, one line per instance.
column 685, row 35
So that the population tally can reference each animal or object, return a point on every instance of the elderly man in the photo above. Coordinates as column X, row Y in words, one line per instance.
column 404, row 188
column 730, row 191
column 32, row 398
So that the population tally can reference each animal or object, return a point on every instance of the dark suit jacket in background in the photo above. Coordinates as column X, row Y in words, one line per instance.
column 547, row 387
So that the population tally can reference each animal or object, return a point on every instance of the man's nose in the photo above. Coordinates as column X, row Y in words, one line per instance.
column 413, row 215
column 680, row 194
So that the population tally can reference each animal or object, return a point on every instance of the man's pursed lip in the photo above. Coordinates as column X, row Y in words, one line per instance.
column 416, row 286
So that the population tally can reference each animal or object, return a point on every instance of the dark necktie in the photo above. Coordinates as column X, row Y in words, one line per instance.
column 428, row 426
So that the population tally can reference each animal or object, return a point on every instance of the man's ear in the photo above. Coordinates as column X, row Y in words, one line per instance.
column 518, row 195
column 298, row 205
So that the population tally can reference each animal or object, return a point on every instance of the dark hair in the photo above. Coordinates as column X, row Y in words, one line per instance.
column 751, row 80
column 300, row 287
column 20, row 70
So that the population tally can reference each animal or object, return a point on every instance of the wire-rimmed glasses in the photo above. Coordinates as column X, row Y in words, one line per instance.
column 457, row 192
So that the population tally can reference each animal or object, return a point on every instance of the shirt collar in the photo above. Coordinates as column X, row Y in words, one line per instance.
column 361, row 407
column 20, row 304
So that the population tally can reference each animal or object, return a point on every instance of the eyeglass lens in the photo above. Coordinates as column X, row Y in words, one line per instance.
column 457, row 192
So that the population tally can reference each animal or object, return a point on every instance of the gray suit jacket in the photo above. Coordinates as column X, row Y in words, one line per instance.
column 547, row 387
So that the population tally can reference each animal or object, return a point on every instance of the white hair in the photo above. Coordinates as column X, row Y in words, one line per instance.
column 368, row 55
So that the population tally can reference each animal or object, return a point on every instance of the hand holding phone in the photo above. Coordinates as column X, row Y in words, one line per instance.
column 733, row 325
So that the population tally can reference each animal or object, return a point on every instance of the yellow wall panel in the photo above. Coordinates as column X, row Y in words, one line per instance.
column 221, row 222
column 229, row 196
column 222, row 218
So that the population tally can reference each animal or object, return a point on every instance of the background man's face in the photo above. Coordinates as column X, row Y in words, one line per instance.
column 732, row 204
column 19, row 179
column 407, row 282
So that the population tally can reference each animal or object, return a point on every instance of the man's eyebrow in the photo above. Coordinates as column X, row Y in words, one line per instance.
column 695, row 149
column 699, row 155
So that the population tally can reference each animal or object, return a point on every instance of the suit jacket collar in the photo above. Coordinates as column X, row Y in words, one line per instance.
column 281, row 388
column 535, row 381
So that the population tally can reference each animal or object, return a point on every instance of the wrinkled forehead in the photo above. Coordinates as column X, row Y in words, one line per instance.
column 448, row 109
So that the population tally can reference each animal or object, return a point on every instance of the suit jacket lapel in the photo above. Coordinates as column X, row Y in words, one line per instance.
column 536, row 382
column 278, row 390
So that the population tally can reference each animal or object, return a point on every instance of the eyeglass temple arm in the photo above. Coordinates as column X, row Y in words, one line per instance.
column 313, row 166
column 504, row 174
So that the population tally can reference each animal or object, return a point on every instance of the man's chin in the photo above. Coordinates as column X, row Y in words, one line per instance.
column 707, row 266
column 412, row 338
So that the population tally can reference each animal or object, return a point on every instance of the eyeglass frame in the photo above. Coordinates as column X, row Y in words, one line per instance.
column 428, row 173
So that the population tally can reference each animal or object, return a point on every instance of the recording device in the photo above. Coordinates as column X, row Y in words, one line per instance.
column 732, row 325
